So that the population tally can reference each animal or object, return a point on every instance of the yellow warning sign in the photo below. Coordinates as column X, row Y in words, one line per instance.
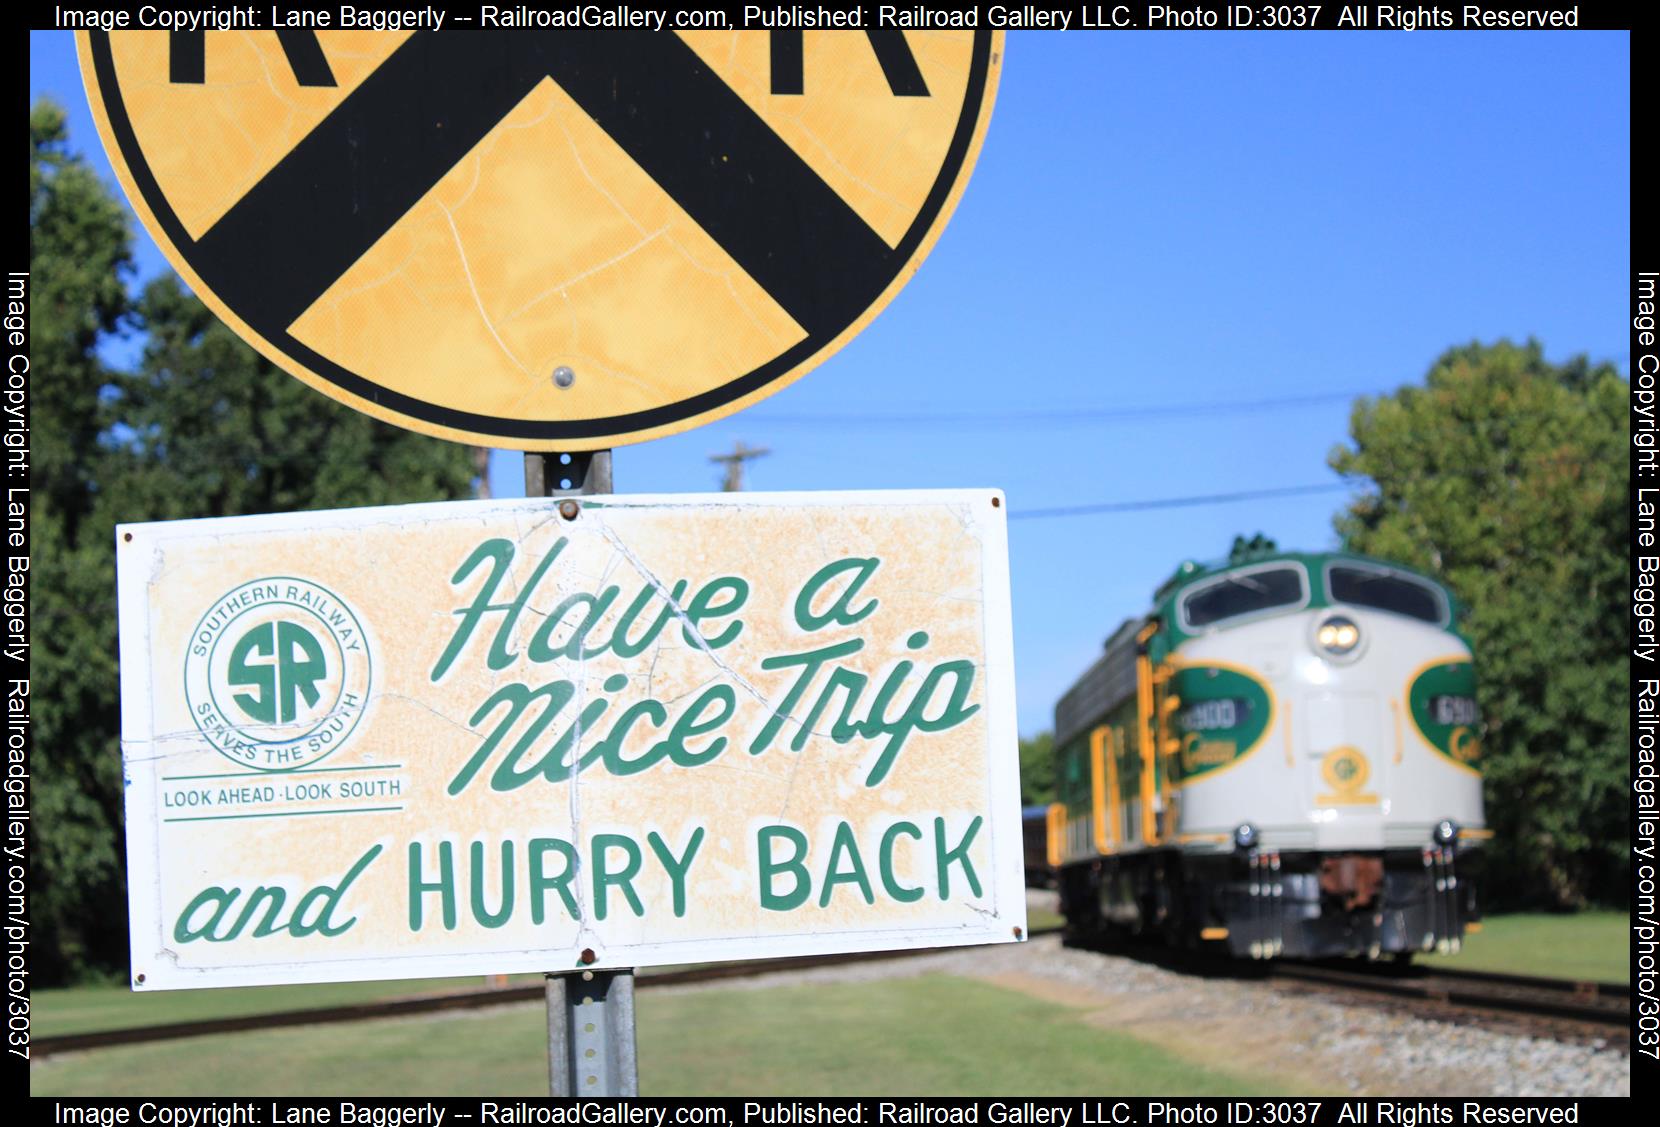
column 544, row 239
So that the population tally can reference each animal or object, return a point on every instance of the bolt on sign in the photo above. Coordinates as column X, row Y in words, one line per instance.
column 485, row 737
column 429, row 225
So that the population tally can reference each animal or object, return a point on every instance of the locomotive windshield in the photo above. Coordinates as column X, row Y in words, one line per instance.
column 1384, row 590
column 1240, row 593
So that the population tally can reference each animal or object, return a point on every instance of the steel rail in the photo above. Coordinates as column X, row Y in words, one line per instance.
column 1560, row 1008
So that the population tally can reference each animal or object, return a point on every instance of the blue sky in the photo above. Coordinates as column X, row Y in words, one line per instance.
column 1179, row 258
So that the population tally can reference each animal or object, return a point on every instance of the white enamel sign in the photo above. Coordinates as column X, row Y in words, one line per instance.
column 489, row 737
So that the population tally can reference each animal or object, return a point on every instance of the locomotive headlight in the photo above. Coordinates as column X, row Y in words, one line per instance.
column 1446, row 831
column 1244, row 836
column 1338, row 636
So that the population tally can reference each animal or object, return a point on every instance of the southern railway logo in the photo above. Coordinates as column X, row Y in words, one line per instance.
column 1345, row 770
column 614, row 235
column 278, row 672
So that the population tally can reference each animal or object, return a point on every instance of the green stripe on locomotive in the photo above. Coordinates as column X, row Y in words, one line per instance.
column 1225, row 714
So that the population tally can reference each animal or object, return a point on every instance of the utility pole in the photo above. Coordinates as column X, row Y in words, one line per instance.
column 733, row 481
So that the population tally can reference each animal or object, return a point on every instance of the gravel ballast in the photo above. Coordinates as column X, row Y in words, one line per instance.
column 1306, row 1043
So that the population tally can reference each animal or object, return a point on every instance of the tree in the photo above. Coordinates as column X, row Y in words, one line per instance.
column 1037, row 769
column 204, row 427
column 78, row 255
column 1507, row 476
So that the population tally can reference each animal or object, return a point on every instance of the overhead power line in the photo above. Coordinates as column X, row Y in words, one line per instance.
column 1173, row 502
column 1053, row 416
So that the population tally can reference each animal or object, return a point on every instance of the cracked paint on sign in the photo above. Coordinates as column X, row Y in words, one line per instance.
column 452, row 280
column 385, row 857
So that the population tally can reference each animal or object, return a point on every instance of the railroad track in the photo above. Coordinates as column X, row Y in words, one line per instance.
column 1595, row 1013
column 438, row 1003
column 1562, row 1009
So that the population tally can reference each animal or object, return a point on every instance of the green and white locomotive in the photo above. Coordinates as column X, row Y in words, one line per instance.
column 1281, row 757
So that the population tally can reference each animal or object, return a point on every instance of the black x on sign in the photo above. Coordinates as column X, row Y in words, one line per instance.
column 544, row 239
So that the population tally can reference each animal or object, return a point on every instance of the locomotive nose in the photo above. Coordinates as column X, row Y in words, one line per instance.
column 1342, row 723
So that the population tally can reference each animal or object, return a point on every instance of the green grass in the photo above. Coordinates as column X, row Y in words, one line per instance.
column 490, row 1052
column 1589, row 945
column 928, row 1035
column 89, row 1009
column 85, row 1009
column 1039, row 918
column 931, row 1035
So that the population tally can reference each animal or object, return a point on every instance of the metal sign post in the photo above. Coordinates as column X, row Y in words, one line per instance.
column 591, row 1012
column 591, row 1034
column 554, row 475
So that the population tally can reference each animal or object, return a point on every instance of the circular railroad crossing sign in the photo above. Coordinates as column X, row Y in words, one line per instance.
column 544, row 239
